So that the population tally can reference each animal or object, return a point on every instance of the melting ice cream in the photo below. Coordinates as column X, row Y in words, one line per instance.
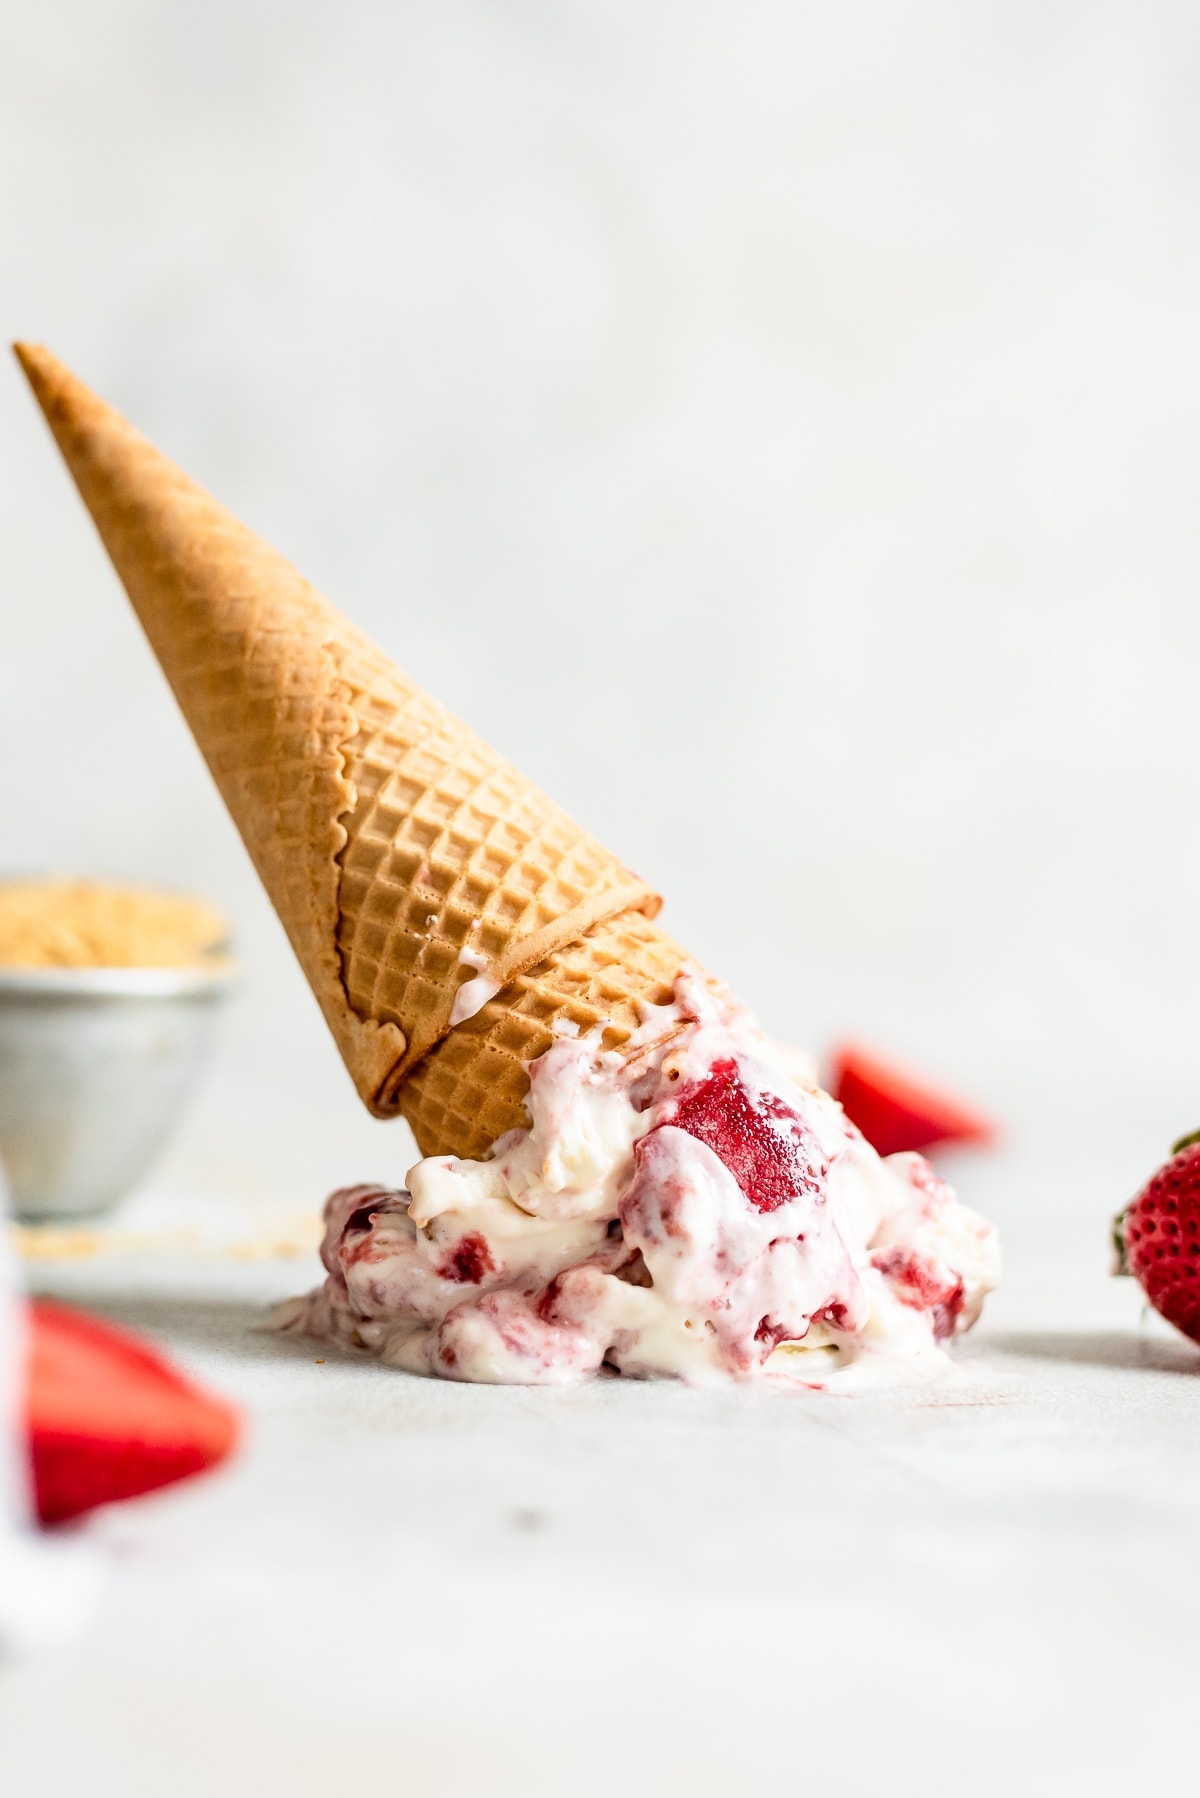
column 693, row 1207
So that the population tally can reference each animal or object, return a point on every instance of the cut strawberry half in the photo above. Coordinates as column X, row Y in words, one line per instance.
column 109, row 1418
column 896, row 1111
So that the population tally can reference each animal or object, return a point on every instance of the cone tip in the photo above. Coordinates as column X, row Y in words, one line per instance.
column 42, row 370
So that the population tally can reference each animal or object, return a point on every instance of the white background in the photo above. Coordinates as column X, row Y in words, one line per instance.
column 775, row 425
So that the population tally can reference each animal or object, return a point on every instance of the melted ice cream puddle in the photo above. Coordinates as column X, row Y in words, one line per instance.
column 695, row 1209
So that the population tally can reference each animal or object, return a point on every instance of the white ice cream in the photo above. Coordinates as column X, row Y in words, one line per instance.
column 697, row 1209
column 473, row 994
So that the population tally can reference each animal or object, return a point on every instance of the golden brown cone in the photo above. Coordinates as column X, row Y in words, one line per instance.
column 402, row 854
column 472, row 1088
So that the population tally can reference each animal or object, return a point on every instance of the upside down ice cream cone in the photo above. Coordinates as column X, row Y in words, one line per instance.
column 445, row 912
column 688, row 1207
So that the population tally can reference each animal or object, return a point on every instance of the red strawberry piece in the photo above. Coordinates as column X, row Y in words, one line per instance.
column 925, row 1284
column 895, row 1111
column 771, row 1154
column 109, row 1418
column 1160, row 1234
column 469, row 1261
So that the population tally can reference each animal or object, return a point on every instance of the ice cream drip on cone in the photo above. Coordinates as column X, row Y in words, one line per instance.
column 403, row 855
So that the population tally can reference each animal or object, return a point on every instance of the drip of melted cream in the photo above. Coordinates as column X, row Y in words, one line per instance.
column 472, row 995
column 605, row 1235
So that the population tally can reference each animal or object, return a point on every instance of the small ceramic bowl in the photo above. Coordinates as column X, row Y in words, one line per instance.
column 95, row 1067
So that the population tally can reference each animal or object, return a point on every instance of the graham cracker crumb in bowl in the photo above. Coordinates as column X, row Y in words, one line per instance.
column 95, row 924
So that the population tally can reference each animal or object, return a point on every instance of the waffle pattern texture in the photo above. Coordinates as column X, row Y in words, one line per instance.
column 404, row 856
column 472, row 1088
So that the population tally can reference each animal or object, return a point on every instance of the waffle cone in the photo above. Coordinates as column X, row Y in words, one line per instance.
column 472, row 1088
column 404, row 856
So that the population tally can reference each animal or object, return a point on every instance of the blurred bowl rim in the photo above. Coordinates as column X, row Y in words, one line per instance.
column 120, row 983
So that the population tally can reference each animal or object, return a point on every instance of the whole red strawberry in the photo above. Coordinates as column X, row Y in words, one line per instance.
column 1158, row 1238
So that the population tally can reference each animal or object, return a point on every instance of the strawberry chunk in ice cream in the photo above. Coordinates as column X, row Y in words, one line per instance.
column 692, row 1207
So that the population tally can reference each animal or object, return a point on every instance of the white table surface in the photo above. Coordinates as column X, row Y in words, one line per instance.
column 431, row 1588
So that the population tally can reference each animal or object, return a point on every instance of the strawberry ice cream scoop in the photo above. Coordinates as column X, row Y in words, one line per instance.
column 688, row 1209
